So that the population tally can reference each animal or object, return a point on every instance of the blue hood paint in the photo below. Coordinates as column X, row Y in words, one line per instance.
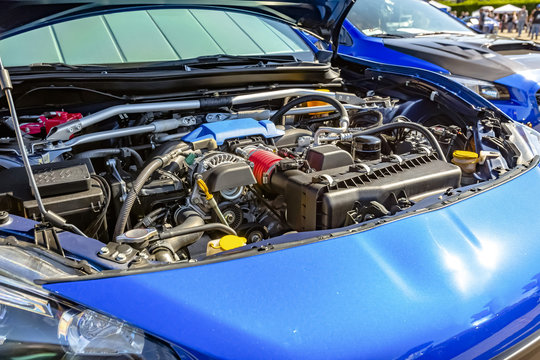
column 373, row 49
column 523, row 87
column 461, row 278
column 523, row 84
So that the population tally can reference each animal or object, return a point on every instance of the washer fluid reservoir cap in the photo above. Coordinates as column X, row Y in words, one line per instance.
column 229, row 242
column 465, row 155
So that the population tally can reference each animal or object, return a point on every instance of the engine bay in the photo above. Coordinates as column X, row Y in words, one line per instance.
column 173, row 181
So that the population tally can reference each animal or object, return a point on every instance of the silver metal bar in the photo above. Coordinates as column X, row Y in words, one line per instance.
column 278, row 94
column 156, row 126
column 65, row 131
column 110, row 134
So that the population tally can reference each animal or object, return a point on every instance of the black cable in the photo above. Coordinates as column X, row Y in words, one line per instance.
column 144, row 175
column 94, row 226
column 150, row 218
column 321, row 119
column 356, row 117
column 97, row 153
column 302, row 99
column 123, row 98
column 407, row 124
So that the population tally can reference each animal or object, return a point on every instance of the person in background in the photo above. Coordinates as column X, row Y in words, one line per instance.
column 504, row 22
column 522, row 19
column 481, row 20
column 511, row 22
column 535, row 23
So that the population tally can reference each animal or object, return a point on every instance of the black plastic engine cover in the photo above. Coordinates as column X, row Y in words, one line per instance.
column 326, row 157
column 66, row 188
column 320, row 200
column 228, row 175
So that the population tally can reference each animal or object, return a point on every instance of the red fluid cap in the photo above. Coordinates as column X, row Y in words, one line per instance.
column 48, row 121
column 263, row 164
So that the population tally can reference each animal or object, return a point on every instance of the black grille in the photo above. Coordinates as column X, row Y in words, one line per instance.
column 538, row 99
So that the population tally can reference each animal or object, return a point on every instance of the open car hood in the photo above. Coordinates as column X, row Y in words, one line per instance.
column 321, row 17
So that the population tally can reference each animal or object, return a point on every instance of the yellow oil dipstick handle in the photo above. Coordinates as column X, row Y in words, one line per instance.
column 211, row 201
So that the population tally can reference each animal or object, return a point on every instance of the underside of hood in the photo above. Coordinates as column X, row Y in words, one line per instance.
column 321, row 17
column 468, row 57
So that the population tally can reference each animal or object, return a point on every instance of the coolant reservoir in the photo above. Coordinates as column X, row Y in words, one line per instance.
column 228, row 242
column 314, row 103
column 466, row 160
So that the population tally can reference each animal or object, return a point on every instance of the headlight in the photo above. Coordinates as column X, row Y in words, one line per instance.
column 487, row 90
column 38, row 326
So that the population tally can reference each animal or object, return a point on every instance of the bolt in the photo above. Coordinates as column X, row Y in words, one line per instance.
column 4, row 217
column 121, row 257
column 229, row 217
column 104, row 250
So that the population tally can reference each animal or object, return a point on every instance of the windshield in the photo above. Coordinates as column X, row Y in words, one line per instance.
column 153, row 35
column 402, row 18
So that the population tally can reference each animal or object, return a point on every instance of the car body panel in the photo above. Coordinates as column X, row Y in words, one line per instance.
column 373, row 49
column 79, row 246
column 499, row 60
column 459, row 280
column 435, row 78
column 524, row 87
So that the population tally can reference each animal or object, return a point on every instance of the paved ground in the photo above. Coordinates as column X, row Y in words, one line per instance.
column 524, row 36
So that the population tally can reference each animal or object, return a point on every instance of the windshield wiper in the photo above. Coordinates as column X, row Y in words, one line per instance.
column 212, row 60
column 223, row 59
column 58, row 66
column 389, row 36
column 439, row 33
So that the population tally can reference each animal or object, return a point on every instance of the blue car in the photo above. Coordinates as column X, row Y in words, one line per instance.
column 192, row 181
column 416, row 34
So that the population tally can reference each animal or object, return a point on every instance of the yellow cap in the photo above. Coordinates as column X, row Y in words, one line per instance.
column 465, row 155
column 204, row 188
column 229, row 242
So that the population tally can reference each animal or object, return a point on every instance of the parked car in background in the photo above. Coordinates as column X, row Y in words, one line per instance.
column 491, row 26
column 414, row 33
column 213, row 188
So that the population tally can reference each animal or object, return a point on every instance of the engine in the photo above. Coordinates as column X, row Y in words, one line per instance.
column 189, row 185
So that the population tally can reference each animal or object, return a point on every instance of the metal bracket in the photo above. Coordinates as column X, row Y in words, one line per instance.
column 111, row 163
column 45, row 237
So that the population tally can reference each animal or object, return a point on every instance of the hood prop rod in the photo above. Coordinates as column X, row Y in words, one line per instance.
column 47, row 215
